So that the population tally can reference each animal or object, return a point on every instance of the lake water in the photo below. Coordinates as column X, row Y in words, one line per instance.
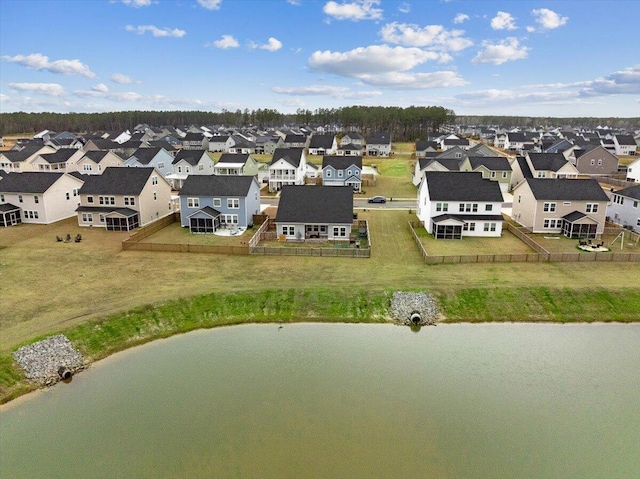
column 344, row 401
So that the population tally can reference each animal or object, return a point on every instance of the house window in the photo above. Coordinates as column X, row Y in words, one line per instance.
column 328, row 173
column 599, row 162
column 233, row 203
column 179, row 169
column 458, row 155
column 340, row 172
column 155, row 196
column 86, row 167
column 193, row 202
column 488, row 207
column 67, row 195
column 489, row 226
column 592, row 208
column 76, row 192
column 469, row 227
column 288, row 230
column 442, row 206
column 552, row 223
column 504, row 174
column 200, row 167
column 36, row 199
column 129, row 200
column 542, row 174
column 1, row 198
column 519, row 198
column 339, row 232
column 348, row 172
column 593, row 161
column 89, row 199
column 101, row 217
column 468, row 207
column 493, row 174
column 635, row 204
column 548, row 207
column 217, row 203
column 87, row 217
column 161, row 165
column 106, row 200
column 154, row 180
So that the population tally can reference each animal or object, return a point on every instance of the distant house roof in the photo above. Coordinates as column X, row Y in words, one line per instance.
column 60, row 156
column 28, row 182
column 293, row 156
column 234, row 158
column 145, row 155
column 381, row 138
column 117, row 181
column 461, row 186
column 626, row 140
column 295, row 139
column 214, row 185
column 193, row 137
column 567, row 189
column 341, row 162
column 423, row 145
column 315, row 204
column 16, row 156
column 456, row 141
column 322, row 141
column 189, row 156
column 516, row 137
column 630, row 192
column 493, row 163
column 547, row 161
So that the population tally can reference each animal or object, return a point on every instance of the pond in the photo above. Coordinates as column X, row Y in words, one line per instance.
column 342, row 400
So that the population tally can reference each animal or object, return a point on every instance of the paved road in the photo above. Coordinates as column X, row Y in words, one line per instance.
column 402, row 204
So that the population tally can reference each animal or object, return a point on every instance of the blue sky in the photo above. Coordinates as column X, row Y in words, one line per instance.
column 536, row 58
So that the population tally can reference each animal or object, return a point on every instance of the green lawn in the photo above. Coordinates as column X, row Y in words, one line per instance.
column 506, row 244
column 175, row 234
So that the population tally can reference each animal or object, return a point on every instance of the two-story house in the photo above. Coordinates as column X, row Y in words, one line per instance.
column 633, row 171
column 94, row 162
column 594, row 160
column 237, row 165
column 157, row 158
column 342, row 171
column 456, row 204
column 208, row 203
column 625, row 145
column 63, row 160
column 495, row 168
column 287, row 167
column 379, row 144
column 323, row 145
column 315, row 213
column 542, row 165
column 576, row 208
column 624, row 208
column 21, row 159
column 122, row 199
column 37, row 197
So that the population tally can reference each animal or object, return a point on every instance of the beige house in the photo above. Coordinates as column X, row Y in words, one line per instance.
column 96, row 161
column 494, row 168
column 576, row 208
column 542, row 165
column 595, row 160
column 21, row 160
column 35, row 197
column 63, row 160
column 122, row 199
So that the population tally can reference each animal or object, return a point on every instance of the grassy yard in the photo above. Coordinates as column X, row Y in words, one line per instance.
column 506, row 244
column 557, row 243
column 175, row 234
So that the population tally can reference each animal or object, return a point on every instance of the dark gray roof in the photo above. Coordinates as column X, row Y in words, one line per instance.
column 6, row 207
column 630, row 192
column 105, row 144
column 350, row 147
column 96, row 155
column 461, row 186
column 28, row 182
column 60, row 156
column 295, row 139
column 207, row 210
column 16, row 156
column 451, row 164
column 493, row 163
column 517, row 137
column 213, row 185
column 524, row 167
column 547, row 161
column 189, row 156
column 117, row 181
column 291, row 155
column 566, row 189
column 574, row 216
column 626, row 140
column 234, row 158
column 321, row 141
column 456, row 141
column 315, row 204
column 382, row 138
column 162, row 144
column 145, row 155
column 194, row 137
column 423, row 145
column 463, row 218
column 341, row 162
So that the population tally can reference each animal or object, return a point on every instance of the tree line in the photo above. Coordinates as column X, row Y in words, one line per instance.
column 404, row 124
column 527, row 121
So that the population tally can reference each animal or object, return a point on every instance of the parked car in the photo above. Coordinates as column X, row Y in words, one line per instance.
column 377, row 199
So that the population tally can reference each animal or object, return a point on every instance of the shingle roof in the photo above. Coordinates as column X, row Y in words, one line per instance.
column 315, row 204
column 341, row 162
column 16, row 156
column 461, row 186
column 321, row 141
column 493, row 163
column 516, row 137
column 234, row 158
column 212, row 185
column 630, row 192
column 566, row 189
column 423, row 145
column 60, row 156
column 117, row 181
column 145, row 155
column 96, row 155
column 295, row 139
column 28, row 182
column 291, row 155
column 547, row 161
column 524, row 167
column 626, row 140
column 189, row 156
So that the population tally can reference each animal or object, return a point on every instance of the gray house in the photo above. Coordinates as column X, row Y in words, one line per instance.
column 157, row 158
column 625, row 208
column 208, row 203
column 342, row 171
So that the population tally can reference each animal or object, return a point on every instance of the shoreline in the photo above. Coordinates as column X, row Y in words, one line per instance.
column 125, row 331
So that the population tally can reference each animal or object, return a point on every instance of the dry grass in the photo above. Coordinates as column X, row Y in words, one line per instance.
column 47, row 286
column 175, row 234
column 506, row 244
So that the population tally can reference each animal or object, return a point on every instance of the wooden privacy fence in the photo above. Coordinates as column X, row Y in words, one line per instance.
column 188, row 248
column 317, row 252
column 542, row 255
column 148, row 230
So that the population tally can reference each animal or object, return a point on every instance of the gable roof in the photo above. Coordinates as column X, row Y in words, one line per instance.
column 215, row 185
column 626, row 140
column 423, row 145
column 481, row 150
column 293, row 138
column 341, row 162
column 293, row 156
column 315, row 204
column 29, row 150
column 118, row 181
column 547, row 161
column 567, row 189
column 60, row 156
column 28, row 182
column 321, row 141
column 630, row 192
column 380, row 138
column 493, row 163
column 189, row 156
column 145, row 155
column 461, row 186
column 516, row 137
column 234, row 158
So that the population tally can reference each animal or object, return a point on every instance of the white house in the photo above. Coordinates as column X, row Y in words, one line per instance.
column 287, row 167
column 633, row 171
column 624, row 208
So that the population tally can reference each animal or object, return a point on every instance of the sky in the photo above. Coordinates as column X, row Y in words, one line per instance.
column 558, row 58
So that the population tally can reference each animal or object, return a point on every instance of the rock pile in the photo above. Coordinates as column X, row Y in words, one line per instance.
column 42, row 360
column 414, row 308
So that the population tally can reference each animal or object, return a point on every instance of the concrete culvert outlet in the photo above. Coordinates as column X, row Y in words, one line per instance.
column 64, row 372
column 416, row 318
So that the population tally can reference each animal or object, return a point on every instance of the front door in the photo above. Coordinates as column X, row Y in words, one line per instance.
column 13, row 218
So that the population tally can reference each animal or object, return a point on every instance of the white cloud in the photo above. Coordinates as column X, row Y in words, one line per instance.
column 101, row 88
column 404, row 7
column 137, row 3
column 272, row 45
column 4, row 98
column 122, row 79
column 326, row 90
column 295, row 3
column 433, row 36
column 226, row 42
column 293, row 102
column 371, row 59
column 155, row 31
column 503, row 21
column 548, row 19
column 625, row 82
column 460, row 18
column 38, row 61
column 210, row 4
column 50, row 89
column 506, row 51
column 514, row 96
column 414, row 81
column 355, row 11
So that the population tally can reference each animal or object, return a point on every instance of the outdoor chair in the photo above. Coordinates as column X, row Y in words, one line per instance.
column 68, row 238
column 78, row 238
column 59, row 239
